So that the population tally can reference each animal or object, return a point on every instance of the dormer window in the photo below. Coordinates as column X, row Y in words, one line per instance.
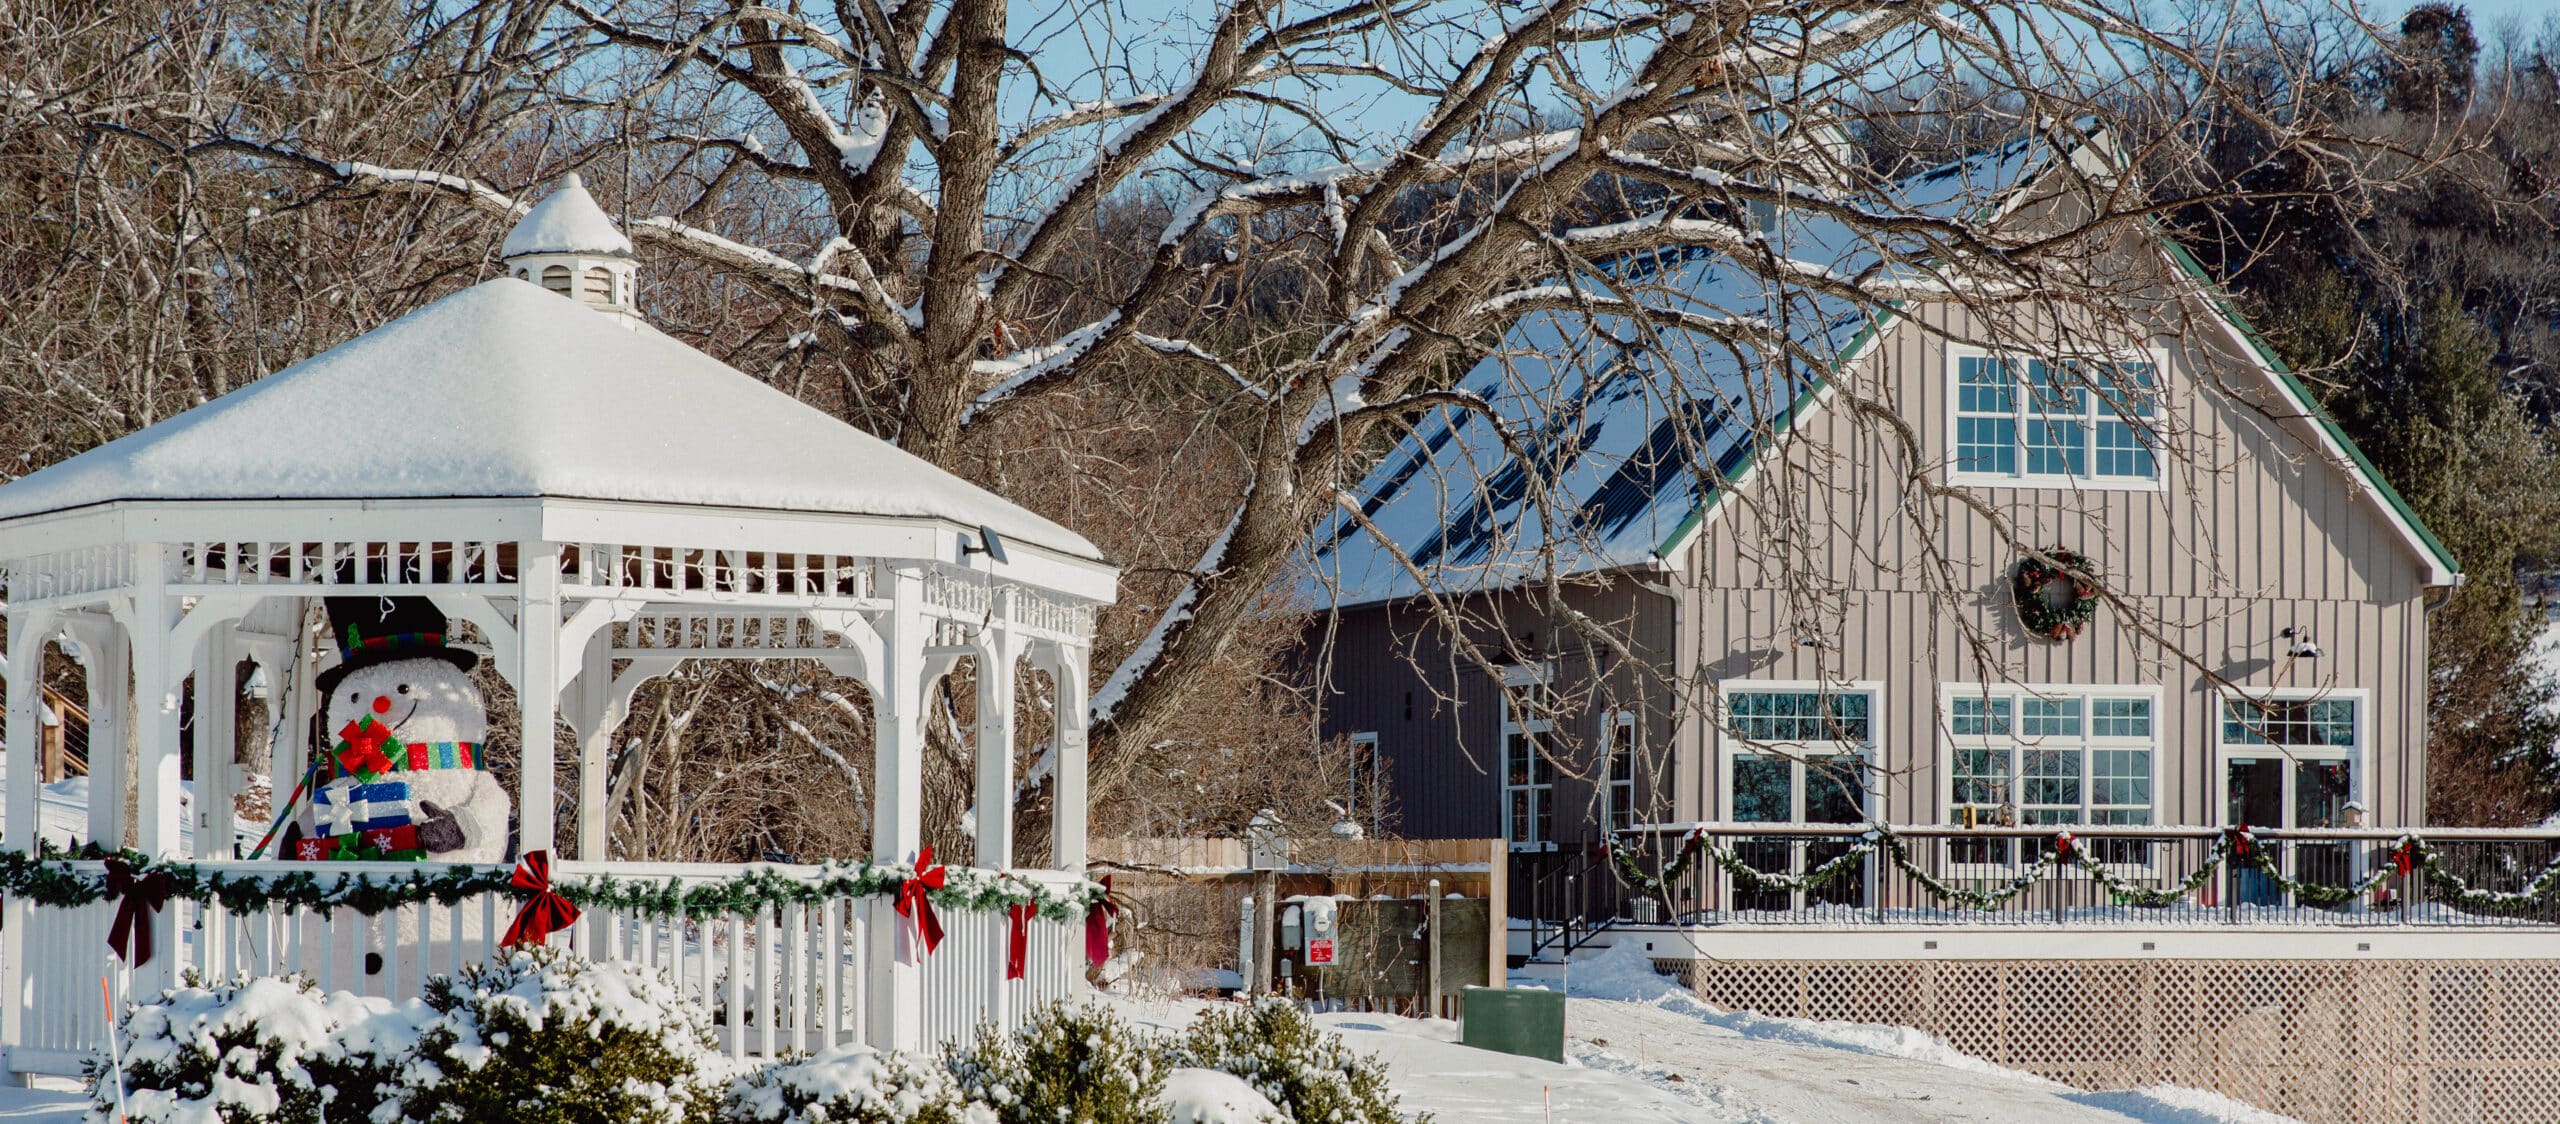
column 2045, row 423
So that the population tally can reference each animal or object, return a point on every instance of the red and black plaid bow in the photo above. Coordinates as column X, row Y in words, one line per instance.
column 141, row 896
column 1097, row 924
column 918, row 909
column 543, row 913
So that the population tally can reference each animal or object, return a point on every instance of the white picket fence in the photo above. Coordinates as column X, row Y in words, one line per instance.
column 790, row 980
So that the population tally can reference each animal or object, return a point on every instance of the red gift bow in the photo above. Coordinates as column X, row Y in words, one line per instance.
column 363, row 755
column 1017, row 940
column 544, row 913
column 1097, row 925
column 130, row 937
column 915, row 907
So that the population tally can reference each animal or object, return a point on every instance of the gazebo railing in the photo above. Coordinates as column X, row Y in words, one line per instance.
column 788, row 979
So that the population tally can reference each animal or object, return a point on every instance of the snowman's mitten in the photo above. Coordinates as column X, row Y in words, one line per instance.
column 439, row 832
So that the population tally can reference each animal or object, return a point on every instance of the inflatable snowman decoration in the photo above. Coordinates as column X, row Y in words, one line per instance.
column 403, row 778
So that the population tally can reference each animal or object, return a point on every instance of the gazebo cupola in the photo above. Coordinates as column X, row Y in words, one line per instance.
column 567, row 244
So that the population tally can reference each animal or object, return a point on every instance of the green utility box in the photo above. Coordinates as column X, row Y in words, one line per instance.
column 1527, row 1023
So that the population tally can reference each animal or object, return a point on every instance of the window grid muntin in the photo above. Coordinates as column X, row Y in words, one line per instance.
column 2054, row 776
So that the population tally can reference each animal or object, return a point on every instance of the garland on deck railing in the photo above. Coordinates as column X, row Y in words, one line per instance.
column 48, row 879
column 2407, row 855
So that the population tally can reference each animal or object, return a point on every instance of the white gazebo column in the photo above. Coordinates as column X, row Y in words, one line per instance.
column 595, row 717
column 999, row 646
column 897, row 818
column 217, row 706
column 157, row 677
column 108, row 660
column 1066, row 666
column 24, row 705
column 537, row 689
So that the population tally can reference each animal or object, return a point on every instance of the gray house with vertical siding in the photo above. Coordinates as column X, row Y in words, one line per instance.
column 1700, row 582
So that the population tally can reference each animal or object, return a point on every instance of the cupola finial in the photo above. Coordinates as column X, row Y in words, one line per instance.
column 567, row 244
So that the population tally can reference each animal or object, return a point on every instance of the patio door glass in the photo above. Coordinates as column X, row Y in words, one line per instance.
column 2278, row 792
column 1812, row 790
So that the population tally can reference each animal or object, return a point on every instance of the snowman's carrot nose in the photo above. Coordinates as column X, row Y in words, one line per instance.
column 382, row 704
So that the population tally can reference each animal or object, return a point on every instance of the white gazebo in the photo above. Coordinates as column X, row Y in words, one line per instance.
column 602, row 503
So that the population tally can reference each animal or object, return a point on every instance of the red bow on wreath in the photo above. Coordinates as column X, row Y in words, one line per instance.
column 1097, row 924
column 141, row 895
column 545, row 912
column 1017, row 939
column 917, row 908
column 362, row 756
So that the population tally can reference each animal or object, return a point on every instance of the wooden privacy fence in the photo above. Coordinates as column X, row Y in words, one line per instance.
column 1188, row 899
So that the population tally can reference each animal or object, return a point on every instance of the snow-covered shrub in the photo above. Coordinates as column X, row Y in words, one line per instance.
column 852, row 1085
column 548, row 1037
column 1285, row 1056
column 1215, row 1096
column 253, row 1049
column 1079, row 1064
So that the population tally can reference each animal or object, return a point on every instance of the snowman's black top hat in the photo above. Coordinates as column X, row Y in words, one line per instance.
column 380, row 630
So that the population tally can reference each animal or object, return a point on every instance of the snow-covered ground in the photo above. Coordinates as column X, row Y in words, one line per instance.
column 1641, row 1050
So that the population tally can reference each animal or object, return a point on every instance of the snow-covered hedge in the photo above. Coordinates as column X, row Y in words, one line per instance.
column 852, row 1085
column 545, row 1036
column 1286, row 1057
column 254, row 1049
column 1082, row 1064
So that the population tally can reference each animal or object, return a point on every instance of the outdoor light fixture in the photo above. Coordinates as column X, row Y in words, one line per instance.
column 2303, row 647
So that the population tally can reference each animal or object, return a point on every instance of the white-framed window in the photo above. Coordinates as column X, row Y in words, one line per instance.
column 1797, row 752
column 1528, row 775
column 1365, row 787
column 2032, row 422
column 2054, row 755
column 1618, row 772
column 2291, row 759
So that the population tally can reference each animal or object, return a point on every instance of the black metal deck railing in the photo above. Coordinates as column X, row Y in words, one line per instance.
column 1853, row 874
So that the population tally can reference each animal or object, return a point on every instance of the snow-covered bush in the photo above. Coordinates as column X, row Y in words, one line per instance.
column 547, row 1037
column 253, row 1049
column 1080, row 1064
column 1214, row 1096
column 1285, row 1056
column 852, row 1085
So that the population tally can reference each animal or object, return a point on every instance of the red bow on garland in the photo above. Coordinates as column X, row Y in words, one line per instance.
column 545, row 912
column 141, row 895
column 917, row 908
column 2404, row 857
column 1017, row 939
column 2062, row 845
column 2240, row 842
column 1097, row 924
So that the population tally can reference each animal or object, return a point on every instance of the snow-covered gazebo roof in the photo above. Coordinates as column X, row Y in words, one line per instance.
column 505, row 392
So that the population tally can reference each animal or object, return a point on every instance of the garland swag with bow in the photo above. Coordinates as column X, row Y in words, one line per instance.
column 139, row 883
column 2410, row 854
column 2042, row 617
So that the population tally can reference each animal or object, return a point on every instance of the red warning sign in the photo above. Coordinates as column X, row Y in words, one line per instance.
column 1320, row 952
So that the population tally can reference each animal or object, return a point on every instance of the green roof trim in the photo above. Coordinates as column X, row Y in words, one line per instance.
column 1795, row 412
column 2222, row 304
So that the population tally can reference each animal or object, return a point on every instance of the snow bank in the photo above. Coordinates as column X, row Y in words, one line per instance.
column 1210, row 1096
column 2171, row 1104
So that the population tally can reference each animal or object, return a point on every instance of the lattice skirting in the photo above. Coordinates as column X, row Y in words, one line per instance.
column 2325, row 1041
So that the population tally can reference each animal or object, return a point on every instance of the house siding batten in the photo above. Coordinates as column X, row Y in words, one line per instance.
column 2253, row 531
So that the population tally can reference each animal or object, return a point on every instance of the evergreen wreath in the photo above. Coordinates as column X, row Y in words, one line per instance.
column 2034, row 577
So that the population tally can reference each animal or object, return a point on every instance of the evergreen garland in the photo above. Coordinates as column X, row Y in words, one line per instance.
column 2238, row 842
column 49, row 879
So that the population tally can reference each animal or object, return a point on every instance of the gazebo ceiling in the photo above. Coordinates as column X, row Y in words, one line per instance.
column 506, row 391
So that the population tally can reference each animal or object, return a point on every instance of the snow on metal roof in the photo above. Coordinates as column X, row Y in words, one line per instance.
column 506, row 390
column 568, row 222
column 1623, row 433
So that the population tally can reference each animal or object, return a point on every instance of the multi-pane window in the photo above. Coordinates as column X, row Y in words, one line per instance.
column 1528, row 776
column 1798, row 754
column 1618, row 778
column 2305, row 774
column 2053, row 758
column 2034, row 419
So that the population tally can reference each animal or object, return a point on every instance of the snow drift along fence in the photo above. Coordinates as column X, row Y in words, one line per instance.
column 791, row 978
